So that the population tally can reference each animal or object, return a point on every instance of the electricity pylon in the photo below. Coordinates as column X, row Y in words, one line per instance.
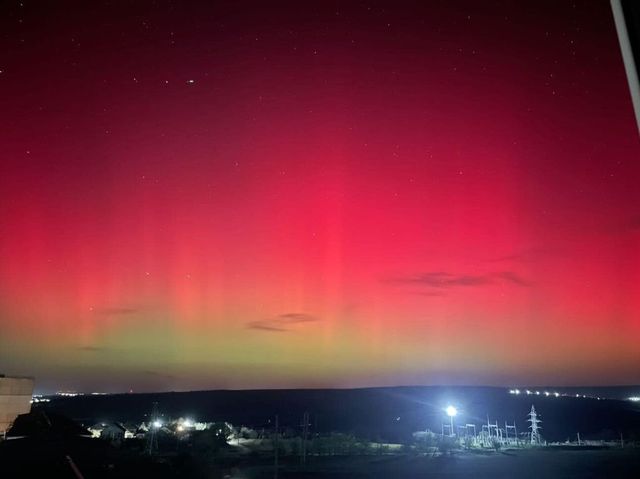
column 535, row 428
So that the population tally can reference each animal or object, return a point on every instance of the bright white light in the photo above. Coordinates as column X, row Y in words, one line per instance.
column 157, row 424
column 556, row 394
column 180, row 428
column 517, row 391
column 528, row 392
column 187, row 423
column 634, row 398
column 451, row 411
column 546, row 393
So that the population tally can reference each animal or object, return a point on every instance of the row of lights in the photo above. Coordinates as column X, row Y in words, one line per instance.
column 182, row 425
column 74, row 394
column 548, row 394
column 70, row 394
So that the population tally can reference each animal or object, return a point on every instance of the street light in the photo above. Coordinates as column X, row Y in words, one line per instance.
column 187, row 423
column 451, row 412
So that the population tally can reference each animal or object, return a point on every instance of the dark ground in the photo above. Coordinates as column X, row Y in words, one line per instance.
column 96, row 459
column 606, row 464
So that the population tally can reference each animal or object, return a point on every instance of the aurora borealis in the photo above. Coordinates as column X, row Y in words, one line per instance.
column 203, row 194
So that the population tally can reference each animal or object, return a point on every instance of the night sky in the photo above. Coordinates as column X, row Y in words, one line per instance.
column 232, row 195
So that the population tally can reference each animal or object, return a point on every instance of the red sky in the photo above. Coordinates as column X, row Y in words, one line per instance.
column 316, row 194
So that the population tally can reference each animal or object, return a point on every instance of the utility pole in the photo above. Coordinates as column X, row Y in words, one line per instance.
column 74, row 468
column 275, row 452
column 305, row 432
column 508, row 427
column 486, row 438
column 152, row 439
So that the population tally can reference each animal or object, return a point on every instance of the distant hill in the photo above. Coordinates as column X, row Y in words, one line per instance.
column 391, row 413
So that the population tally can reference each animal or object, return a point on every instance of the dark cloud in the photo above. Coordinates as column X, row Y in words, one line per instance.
column 282, row 323
column 527, row 255
column 92, row 349
column 264, row 325
column 441, row 280
column 512, row 277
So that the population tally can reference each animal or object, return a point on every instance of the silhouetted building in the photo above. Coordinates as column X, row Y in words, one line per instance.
column 15, row 399
column 43, row 425
column 110, row 431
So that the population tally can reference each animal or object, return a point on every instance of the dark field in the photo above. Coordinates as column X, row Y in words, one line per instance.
column 543, row 464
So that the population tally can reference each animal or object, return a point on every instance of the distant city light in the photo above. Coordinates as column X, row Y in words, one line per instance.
column 556, row 394
column 634, row 398
column 36, row 398
column 157, row 424
column 451, row 411
column 68, row 394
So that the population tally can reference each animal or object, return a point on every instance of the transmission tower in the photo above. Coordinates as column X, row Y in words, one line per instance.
column 535, row 428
